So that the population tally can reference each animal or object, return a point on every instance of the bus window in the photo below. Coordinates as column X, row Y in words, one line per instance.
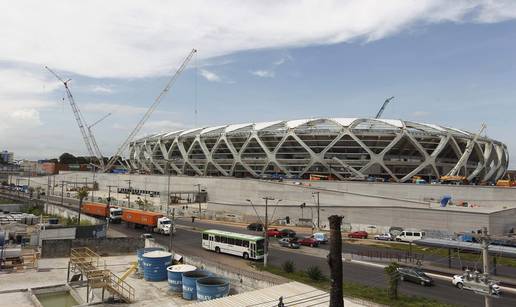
column 205, row 236
column 223, row 240
column 231, row 241
column 245, row 244
column 217, row 238
column 238, row 242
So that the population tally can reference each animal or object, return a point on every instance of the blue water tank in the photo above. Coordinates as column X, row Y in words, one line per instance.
column 175, row 275
column 155, row 265
column 139, row 254
column 211, row 288
column 2, row 238
column 190, row 283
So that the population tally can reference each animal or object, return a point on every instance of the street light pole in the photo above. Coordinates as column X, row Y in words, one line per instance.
column 198, row 197
column 318, row 210
column 129, row 194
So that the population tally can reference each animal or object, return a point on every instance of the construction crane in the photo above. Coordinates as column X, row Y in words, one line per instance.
column 94, row 142
column 77, row 113
column 453, row 174
column 385, row 103
column 149, row 112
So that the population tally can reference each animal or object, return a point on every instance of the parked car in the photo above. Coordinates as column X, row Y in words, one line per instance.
column 309, row 241
column 289, row 242
column 358, row 234
column 275, row 232
column 255, row 227
column 415, row 275
column 321, row 237
column 384, row 237
column 410, row 236
column 288, row 233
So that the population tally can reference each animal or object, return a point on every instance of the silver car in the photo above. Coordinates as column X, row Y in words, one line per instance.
column 289, row 242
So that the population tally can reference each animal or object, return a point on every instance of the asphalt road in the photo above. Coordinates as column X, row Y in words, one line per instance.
column 187, row 241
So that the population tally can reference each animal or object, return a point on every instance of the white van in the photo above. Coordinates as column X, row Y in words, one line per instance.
column 410, row 235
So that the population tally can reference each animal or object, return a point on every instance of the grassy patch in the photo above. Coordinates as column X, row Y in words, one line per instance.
column 356, row 290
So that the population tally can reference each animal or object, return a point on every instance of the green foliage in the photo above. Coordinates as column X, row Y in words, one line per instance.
column 314, row 273
column 82, row 193
column 288, row 266
column 72, row 221
column 393, row 276
column 143, row 204
column 67, row 158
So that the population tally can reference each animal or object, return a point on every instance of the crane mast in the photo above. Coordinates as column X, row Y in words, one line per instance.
column 76, row 112
column 94, row 141
column 149, row 111
column 385, row 103
column 467, row 152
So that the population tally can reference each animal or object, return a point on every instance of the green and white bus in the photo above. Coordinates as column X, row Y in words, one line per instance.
column 246, row 246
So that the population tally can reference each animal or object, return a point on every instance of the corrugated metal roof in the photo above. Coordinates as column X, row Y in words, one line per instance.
column 293, row 293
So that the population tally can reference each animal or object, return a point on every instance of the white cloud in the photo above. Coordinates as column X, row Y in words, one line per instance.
column 135, row 38
column 264, row 73
column 24, row 81
column 102, row 89
column 27, row 116
column 210, row 76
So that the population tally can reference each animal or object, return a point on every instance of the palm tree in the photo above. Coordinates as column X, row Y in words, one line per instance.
column 335, row 261
column 82, row 193
column 393, row 276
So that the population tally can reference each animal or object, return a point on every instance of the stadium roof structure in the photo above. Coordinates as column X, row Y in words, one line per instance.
column 393, row 149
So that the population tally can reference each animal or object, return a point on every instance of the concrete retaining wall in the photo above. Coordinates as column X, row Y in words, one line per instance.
column 103, row 247
column 364, row 204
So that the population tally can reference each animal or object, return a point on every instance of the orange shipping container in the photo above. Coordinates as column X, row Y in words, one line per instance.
column 96, row 209
column 139, row 217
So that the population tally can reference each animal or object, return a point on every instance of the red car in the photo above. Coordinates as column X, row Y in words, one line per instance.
column 275, row 232
column 358, row 234
column 308, row 242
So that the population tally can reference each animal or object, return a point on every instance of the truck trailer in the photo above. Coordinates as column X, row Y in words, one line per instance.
column 152, row 221
column 101, row 210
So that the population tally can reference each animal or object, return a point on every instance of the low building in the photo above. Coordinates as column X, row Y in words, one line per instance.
column 6, row 157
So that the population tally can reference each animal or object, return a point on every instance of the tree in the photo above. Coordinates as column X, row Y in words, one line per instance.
column 82, row 193
column 335, row 262
column 67, row 158
column 393, row 277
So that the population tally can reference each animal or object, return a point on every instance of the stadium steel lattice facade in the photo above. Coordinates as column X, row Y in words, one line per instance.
column 344, row 147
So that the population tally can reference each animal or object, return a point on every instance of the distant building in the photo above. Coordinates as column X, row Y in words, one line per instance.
column 7, row 157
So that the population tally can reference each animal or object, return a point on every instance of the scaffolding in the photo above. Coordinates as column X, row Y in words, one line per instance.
column 89, row 264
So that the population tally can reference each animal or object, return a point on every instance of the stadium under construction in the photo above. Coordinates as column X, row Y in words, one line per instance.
column 342, row 148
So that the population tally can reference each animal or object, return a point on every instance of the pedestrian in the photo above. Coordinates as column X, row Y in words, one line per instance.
column 193, row 219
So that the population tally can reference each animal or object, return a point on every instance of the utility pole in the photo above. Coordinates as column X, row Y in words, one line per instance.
column 318, row 210
column 172, row 230
column 62, row 193
column 198, row 197
column 335, row 261
column 485, row 261
column 266, row 227
column 129, row 194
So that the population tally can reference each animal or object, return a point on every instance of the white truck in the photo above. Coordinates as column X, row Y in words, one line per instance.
column 164, row 225
column 115, row 215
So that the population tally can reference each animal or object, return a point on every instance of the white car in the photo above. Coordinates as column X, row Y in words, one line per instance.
column 458, row 281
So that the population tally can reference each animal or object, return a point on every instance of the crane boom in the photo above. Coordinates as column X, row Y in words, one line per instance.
column 467, row 152
column 149, row 111
column 94, row 141
column 385, row 103
column 77, row 113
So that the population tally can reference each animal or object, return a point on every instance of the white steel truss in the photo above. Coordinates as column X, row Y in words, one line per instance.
column 343, row 147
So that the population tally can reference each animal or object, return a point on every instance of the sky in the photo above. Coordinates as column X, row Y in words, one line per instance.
column 450, row 63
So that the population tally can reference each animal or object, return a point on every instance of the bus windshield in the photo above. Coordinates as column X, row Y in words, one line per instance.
column 259, row 246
